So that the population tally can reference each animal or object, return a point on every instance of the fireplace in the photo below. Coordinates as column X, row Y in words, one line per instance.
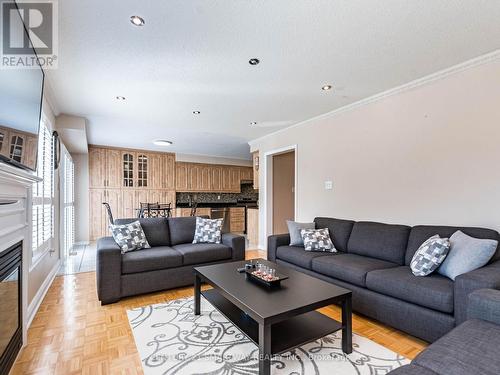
column 10, row 306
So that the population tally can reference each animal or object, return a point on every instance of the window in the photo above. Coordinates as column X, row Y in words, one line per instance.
column 68, row 202
column 43, row 195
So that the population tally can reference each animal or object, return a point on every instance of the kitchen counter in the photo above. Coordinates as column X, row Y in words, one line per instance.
column 217, row 204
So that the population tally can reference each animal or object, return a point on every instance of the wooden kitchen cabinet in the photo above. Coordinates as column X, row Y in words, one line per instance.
column 246, row 173
column 113, row 165
column 237, row 219
column 99, row 219
column 97, row 167
column 181, row 176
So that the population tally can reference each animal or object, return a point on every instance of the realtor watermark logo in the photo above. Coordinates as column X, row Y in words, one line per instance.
column 27, row 26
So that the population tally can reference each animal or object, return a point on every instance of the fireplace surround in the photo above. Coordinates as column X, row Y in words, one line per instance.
column 10, row 306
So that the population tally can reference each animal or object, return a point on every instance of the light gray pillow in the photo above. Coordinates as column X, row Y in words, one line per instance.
column 294, row 229
column 466, row 254
column 208, row 230
column 430, row 255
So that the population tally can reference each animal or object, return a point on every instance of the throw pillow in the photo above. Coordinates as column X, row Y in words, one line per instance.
column 208, row 230
column 129, row 236
column 430, row 255
column 466, row 254
column 294, row 229
column 317, row 240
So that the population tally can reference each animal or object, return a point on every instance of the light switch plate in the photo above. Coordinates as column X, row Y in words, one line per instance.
column 328, row 185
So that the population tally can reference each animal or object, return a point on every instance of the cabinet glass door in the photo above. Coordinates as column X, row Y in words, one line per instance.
column 16, row 148
column 128, row 170
column 142, row 170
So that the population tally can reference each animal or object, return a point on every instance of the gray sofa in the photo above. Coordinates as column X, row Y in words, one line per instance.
column 373, row 261
column 168, row 264
column 471, row 348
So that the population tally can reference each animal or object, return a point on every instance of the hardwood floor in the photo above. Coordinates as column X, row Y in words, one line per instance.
column 73, row 334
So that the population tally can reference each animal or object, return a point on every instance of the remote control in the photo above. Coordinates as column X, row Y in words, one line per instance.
column 241, row 270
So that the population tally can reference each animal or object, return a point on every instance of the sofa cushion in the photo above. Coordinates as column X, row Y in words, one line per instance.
column 471, row 348
column 377, row 240
column 298, row 256
column 339, row 229
column 156, row 258
column 433, row 291
column 196, row 253
column 349, row 267
column 181, row 229
column 155, row 229
column 420, row 233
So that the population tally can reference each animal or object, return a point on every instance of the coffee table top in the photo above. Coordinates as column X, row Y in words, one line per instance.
column 298, row 294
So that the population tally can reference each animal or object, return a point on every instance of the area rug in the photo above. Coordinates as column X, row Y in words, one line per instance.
column 172, row 340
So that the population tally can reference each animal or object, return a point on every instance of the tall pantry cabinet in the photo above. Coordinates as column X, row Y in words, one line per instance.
column 125, row 178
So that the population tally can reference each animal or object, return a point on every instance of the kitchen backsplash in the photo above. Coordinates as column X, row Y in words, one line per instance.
column 247, row 192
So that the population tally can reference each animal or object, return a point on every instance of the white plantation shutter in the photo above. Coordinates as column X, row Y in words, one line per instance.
column 68, row 202
column 43, row 194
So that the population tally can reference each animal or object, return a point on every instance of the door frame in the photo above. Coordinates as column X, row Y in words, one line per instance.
column 266, row 199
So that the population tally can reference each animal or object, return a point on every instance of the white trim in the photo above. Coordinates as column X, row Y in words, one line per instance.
column 12, row 229
column 489, row 57
column 265, row 198
column 82, row 243
column 40, row 294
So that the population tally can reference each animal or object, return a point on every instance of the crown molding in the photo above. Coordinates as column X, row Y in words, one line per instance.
column 477, row 61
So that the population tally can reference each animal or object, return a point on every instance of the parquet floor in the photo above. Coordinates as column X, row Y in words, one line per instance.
column 73, row 334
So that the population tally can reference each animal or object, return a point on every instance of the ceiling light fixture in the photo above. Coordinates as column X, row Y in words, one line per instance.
column 254, row 61
column 253, row 123
column 121, row 98
column 326, row 87
column 196, row 112
column 137, row 21
column 162, row 142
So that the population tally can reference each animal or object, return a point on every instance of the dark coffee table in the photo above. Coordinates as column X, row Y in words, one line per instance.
column 276, row 320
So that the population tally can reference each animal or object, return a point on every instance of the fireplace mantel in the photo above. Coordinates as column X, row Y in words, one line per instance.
column 16, row 222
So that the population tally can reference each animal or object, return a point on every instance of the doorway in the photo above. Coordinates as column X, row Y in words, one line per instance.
column 283, row 190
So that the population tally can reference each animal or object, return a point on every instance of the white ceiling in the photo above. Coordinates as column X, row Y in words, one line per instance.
column 193, row 55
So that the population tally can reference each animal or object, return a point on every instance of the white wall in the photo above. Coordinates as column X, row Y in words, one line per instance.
column 81, row 162
column 428, row 155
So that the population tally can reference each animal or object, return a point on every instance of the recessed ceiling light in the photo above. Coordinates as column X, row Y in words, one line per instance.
column 137, row 21
column 326, row 87
column 253, row 123
column 196, row 112
column 162, row 142
column 254, row 61
column 120, row 98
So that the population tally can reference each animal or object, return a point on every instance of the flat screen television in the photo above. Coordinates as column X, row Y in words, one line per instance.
column 21, row 93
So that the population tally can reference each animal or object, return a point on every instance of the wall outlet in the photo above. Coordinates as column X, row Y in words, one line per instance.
column 328, row 185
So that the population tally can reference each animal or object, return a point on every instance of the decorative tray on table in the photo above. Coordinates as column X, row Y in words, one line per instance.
column 267, row 280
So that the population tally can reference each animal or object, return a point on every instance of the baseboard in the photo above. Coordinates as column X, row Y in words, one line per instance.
column 40, row 295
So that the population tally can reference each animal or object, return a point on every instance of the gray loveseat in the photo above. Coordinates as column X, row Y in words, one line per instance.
column 373, row 261
column 471, row 348
column 168, row 264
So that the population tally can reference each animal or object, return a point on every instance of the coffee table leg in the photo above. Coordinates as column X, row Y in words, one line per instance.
column 347, row 325
column 264, row 349
column 197, row 294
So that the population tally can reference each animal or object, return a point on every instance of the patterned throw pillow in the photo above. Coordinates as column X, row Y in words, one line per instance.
column 208, row 230
column 317, row 240
column 430, row 255
column 129, row 236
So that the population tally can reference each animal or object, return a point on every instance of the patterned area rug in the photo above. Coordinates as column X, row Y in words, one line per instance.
column 172, row 340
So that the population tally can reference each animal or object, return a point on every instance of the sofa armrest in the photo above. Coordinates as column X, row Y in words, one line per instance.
column 484, row 304
column 483, row 278
column 236, row 243
column 275, row 241
column 108, row 270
